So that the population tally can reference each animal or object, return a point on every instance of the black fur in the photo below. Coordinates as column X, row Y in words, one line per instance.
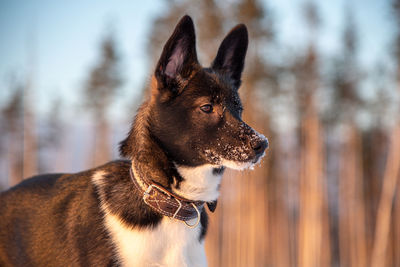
column 231, row 54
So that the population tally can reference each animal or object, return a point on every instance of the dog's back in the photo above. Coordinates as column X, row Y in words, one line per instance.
column 55, row 220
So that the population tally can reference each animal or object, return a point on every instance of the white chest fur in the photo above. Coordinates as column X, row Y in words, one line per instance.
column 171, row 243
column 200, row 183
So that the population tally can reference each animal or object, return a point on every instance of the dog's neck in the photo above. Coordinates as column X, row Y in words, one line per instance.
column 199, row 183
column 147, row 157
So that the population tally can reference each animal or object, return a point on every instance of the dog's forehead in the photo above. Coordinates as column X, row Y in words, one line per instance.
column 217, row 87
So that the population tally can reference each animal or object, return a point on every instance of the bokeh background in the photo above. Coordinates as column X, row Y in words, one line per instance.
column 321, row 82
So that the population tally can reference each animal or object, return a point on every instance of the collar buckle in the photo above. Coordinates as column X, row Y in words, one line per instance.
column 160, row 199
column 147, row 194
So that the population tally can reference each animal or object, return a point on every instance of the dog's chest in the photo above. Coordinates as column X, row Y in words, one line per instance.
column 171, row 243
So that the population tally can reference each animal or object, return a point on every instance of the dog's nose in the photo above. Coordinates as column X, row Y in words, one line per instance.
column 259, row 145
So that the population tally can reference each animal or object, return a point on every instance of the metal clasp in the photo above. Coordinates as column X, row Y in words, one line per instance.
column 198, row 218
column 178, row 209
column 146, row 193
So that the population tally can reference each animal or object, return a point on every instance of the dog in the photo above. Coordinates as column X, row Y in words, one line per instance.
column 147, row 210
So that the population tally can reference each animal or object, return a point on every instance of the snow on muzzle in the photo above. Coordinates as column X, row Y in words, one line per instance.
column 239, row 147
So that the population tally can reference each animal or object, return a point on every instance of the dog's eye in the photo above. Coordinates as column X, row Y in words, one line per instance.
column 208, row 108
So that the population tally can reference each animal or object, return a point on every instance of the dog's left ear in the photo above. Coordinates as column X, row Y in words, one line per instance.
column 179, row 56
column 231, row 54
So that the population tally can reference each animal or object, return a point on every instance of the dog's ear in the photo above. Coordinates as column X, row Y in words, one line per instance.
column 179, row 56
column 231, row 54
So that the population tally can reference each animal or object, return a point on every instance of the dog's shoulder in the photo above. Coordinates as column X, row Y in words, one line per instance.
column 119, row 196
column 54, row 215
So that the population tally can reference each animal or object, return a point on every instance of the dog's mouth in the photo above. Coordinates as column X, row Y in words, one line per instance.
column 243, row 152
column 242, row 165
column 242, row 161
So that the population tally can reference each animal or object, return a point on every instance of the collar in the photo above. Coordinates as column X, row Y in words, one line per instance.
column 165, row 202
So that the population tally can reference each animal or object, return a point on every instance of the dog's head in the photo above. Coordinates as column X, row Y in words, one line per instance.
column 195, row 113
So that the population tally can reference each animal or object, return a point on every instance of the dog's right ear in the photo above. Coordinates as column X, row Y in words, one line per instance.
column 178, row 58
column 231, row 54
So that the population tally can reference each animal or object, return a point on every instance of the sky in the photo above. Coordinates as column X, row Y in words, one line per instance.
column 64, row 40
column 61, row 39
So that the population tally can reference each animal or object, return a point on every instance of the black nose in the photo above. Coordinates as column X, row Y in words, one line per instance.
column 259, row 145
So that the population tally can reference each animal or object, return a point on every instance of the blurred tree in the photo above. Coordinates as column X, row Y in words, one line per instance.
column 375, row 144
column 396, row 217
column 344, row 107
column 313, row 223
column 102, row 84
column 396, row 12
column 346, row 75
column 30, row 129
column 30, row 134
column 51, row 134
column 260, row 73
column 19, row 114
column 12, row 132
column 386, row 243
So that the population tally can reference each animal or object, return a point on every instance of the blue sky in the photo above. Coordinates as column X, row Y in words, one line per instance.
column 65, row 38
column 373, row 20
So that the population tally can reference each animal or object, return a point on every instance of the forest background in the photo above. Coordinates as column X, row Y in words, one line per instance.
column 321, row 81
